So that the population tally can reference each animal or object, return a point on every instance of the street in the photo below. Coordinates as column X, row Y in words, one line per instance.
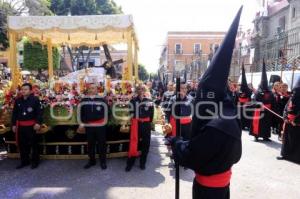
column 258, row 175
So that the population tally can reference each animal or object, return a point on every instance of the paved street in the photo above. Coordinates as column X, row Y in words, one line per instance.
column 258, row 175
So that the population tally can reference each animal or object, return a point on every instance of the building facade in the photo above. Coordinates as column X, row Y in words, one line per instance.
column 188, row 52
column 276, row 35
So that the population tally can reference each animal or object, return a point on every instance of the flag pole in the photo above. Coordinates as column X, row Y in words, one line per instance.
column 177, row 111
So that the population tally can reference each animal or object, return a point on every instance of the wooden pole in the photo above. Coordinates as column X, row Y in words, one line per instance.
column 13, row 59
column 50, row 59
column 178, row 134
column 136, row 64
column 293, row 74
column 129, row 55
column 252, row 69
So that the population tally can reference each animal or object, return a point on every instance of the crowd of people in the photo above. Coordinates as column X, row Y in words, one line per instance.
column 212, row 114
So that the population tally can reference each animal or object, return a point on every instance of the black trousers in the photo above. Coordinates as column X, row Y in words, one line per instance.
column 96, row 134
column 144, row 131
column 201, row 192
column 185, row 130
column 28, row 141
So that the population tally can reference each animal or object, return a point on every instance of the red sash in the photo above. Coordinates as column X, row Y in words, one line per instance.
column 215, row 181
column 244, row 100
column 133, row 144
column 100, row 121
column 291, row 117
column 256, row 118
column 22, row 123
column 184, row 120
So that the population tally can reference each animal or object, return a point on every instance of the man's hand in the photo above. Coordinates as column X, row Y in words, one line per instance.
column 81, row 129
column 14, row 129
column 36, row 127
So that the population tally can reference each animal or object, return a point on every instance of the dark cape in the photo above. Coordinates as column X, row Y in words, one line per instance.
column 215, row 143
column 262, row 118
column 291, row 134
column 244, row 99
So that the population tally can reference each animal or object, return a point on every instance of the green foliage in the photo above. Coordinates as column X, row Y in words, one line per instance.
column 84, row 7
column 143, row 74
column 36, row 56
column 17, row 8
column 108, row 7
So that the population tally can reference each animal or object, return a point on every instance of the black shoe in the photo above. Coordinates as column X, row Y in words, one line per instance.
column 90, row 164
column 256, row 139
column 22, row 165
column 267, row 140
column 103, row 166
column 128, row 168
column 280, row 158
column 34, row 165
column 142, row 167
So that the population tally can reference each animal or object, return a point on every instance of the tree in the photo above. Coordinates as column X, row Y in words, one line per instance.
column 35, row 56
column 108, row 7
column 17, row 8
column 84, row 7
column 143, row 73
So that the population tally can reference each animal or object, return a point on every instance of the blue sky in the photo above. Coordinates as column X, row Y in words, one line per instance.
column 153, row 18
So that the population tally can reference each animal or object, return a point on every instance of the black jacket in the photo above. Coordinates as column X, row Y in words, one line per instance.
column 142, row 108
column 93, row 109
column 27, row 109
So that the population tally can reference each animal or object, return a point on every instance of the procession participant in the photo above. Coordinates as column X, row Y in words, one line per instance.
column 142, row 111
column 93, row 114
column 192, row 92
column 186, row 103
column 284, row 98
column 276, row 121
column 290, row 149
column 233, row 91
column 262, row 118
column 26, row 120
column 216, row 141
column 165, row 100
column 244, row 98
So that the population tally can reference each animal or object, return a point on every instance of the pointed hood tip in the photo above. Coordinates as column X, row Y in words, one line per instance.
column 216, row 76
column 264, row 78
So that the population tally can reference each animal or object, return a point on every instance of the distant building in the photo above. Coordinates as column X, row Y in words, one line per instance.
column 242, row 53
column 188, row 51
column 276, row 35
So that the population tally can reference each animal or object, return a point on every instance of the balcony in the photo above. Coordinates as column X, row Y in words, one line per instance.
column 178, row 52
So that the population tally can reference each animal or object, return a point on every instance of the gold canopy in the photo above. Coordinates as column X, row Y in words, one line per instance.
column 90, row 30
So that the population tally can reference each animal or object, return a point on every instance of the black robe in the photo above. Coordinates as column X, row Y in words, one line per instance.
column 283, row 100
column 186, row 105
column 211, row 151
column 243, row 105
column 290, row 149
column 262, row 118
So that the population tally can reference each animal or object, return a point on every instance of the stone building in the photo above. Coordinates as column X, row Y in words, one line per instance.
column 276, row 35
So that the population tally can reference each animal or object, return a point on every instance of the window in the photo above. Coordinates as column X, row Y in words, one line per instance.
column 294, row 13
column 178, row 49
column 179, row 65
column 197, row 48
column 282, row 23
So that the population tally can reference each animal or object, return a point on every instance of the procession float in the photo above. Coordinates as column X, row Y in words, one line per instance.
column 59, row 138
